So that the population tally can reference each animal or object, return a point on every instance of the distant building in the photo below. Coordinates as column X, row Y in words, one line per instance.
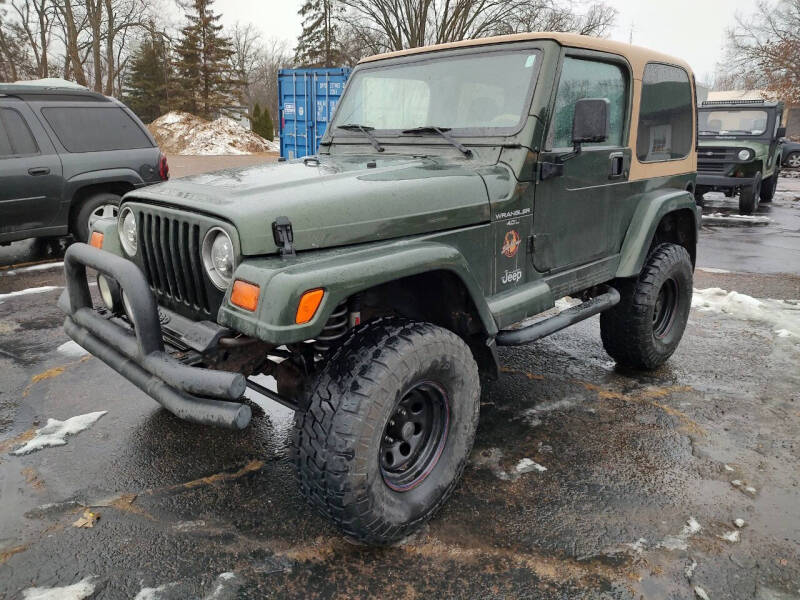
column 791, row 116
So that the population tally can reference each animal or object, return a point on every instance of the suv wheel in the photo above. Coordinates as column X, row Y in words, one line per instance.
column 643, row 330
column 98, row 206
column 793, row 160
column 768, row 187
column 387, row 429
column 748, row 197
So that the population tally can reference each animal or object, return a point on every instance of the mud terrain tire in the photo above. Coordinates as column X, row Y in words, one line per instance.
column 643, row 330
column 340, row 447
column 749, row 196
column 768, row 188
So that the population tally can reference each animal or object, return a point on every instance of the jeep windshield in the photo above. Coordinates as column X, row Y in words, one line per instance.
column 732, row 122
column 486, row 93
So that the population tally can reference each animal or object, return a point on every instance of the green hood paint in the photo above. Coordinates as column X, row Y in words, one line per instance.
column 334, row 200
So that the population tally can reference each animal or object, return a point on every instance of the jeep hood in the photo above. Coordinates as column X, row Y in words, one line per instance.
column 334, row 200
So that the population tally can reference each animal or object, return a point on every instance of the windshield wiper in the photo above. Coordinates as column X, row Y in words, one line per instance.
column 442, row 131
column 708, row 132
column 366, row 130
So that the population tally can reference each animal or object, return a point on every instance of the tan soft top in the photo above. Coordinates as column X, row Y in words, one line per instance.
column 636, row 55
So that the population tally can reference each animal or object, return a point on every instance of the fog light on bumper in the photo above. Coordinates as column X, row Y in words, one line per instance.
column 110, row 293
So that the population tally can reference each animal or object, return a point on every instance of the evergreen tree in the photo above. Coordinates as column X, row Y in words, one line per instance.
column 206, row 82
column 148, row 86
column 318, row 44
column 261, row 123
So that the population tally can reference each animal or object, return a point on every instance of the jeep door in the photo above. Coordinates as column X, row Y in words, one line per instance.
column 30, row 174
column 573, row 212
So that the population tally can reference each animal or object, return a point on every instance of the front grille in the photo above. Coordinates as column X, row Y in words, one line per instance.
column 170, row 257
column 711, row 167
column 716, row 153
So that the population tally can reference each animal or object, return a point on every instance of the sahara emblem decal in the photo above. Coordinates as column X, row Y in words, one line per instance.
column 510, row 244
column 511, row 276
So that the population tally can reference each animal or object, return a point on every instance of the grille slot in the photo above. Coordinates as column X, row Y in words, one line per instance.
column 170, row 258
column 710, row 167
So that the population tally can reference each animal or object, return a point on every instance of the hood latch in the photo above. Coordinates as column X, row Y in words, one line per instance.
column 284, row 236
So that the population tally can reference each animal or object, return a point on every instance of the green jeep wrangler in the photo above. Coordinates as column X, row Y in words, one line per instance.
column 459, row 191
column 739, row 150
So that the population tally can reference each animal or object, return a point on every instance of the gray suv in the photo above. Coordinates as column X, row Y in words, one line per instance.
column 67, row 156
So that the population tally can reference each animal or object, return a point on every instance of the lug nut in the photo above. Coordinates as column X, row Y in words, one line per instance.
column 388, row 439
column 402, row 412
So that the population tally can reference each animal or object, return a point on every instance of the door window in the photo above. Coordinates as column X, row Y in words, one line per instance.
column 94, row 129
column 582, row 78
column 666, row 113
column 16, row 138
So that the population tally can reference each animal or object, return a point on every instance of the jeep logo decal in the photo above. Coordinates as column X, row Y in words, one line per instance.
column 511, row 276
column 510, row 244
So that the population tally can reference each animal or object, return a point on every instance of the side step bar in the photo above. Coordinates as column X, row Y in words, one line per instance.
column 570, row 316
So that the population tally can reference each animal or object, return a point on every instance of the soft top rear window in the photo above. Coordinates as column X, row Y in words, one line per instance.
column 95, row 128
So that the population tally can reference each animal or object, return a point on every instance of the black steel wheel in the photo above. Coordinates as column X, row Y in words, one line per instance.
column 414, row 437
column 645, row 328
column 665, row 308
column 387, row 428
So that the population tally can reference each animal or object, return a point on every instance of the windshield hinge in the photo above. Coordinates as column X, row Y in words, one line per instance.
column 284, row 236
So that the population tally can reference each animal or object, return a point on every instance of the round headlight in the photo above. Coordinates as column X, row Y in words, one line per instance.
column 218, row 257
column 126, row 226
column 744, row 154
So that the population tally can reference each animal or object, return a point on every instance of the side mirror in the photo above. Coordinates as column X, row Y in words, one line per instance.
column 781, row 132
column 590, row 122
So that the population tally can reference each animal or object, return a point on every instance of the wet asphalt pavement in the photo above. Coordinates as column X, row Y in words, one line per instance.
column 645, row 473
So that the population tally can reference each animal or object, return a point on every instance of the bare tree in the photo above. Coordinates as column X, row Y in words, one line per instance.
column 36, row 19
column 764, row 49
column 372, row 26
column 273, row 56
column 246, row 45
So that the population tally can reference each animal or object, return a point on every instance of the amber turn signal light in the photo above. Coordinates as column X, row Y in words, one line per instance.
column 309, row 303
column 96, row 240
column 245, row 295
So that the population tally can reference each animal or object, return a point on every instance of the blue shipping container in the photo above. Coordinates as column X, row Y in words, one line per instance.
column 307, row 98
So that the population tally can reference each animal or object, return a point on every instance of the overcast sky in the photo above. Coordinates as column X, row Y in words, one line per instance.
column 690, row 29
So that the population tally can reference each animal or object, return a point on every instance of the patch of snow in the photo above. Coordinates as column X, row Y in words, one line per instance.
column 25, row 292
column 723, row 219
column 783, row 314
column 680, row 541
column 156, row 593
column 42, row 267
column 739, row 523
column 226, row 586
column 729, row 468
column 71, row 348
column 731, row 536
column 566, row 302
column 701, row 593
column 638, row 546
column 712, row 270
column 783, row 333
column 526, row 465
column 55, row 432
column 563, row 404
column 689, row 570
column 184, row 133
column 76, row 591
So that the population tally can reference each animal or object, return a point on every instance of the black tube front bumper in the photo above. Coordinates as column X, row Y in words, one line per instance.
column 195, row 394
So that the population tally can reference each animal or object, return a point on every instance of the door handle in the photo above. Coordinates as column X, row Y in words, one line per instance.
column 39, row 171
column 616, row 165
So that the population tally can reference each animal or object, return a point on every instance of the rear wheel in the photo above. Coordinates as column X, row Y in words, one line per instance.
column 769, row 186
column 644, row 329
column 793, row 160
column 99, row 206
column 387, row 429
column 749, row 196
